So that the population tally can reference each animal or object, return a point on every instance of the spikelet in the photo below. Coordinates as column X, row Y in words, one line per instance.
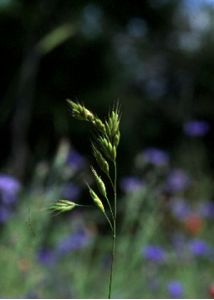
column 80, row 112
column 112, row 127
column 63, row 206
column 99, row 125
column 99, row 182
column 108, row 149
column 102, row 163
column 116, row 139
column 96, row 200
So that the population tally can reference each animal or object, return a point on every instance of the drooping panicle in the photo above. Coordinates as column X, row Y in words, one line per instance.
column 100, row 184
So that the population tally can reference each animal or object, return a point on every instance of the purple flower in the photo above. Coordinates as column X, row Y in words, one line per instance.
column 156, row 157
column 154, row 254
column 71, row 192
column 130, row 184
column 200, row 248
column 74, row 242
column 206, row 210
column 46, row 257
column 9, row 188
column 179, row 208
column 177, row 181
column 4, row 214
column 196, row 128
column 175, row 289
column 76, row 161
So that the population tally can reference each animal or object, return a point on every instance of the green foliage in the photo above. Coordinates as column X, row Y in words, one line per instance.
column 144, row 220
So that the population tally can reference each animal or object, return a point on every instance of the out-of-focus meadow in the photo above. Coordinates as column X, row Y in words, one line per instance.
column 156, row 57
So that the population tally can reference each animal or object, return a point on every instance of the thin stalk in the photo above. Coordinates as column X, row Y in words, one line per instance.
column 115, row 191
column 112, row 184
column 114, row 230
column 112, row 261
column 107, row 218
column 112, row 214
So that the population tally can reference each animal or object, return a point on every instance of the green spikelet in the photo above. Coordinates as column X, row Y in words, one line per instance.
column 116, row 139
column 112, row 127
column 99, row 125
column 102, row 163
column 114, row 153
column 63, row 206
column 96, row 200
column 108, row 149
column 99, row 182
column 80, row 112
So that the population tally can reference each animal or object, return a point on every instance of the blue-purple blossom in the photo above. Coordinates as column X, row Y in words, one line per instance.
column 156, row 157
column 179, row 208
column 200, row 248
column 175, row 290
column 76, row 161
column 130, row 184
column 76, row 241
column 177, row 181
column 9, row 188
column 196, row 128
column 71, row 191
column 46, row 257
column 154, row 254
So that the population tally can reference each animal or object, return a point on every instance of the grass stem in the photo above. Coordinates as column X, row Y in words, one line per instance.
column 114, row 231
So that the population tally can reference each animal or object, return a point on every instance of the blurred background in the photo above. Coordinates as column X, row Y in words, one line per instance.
column 154, row 57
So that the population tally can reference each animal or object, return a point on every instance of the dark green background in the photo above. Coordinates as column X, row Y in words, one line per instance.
column 97, row 65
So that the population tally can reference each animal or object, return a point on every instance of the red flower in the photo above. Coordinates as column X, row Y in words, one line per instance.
column 193, row 224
